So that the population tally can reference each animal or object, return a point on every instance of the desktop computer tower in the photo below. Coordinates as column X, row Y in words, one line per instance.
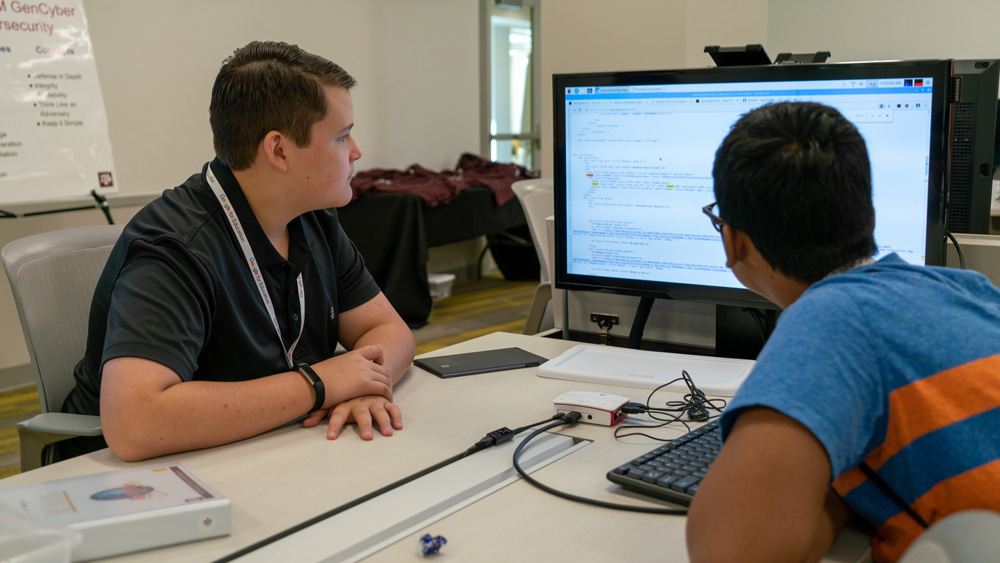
column 973, row 129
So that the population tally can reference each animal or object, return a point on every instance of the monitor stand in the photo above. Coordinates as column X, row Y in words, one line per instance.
column 737, row 334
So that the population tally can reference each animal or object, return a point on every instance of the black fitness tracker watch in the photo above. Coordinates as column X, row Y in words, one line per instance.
column 317, row 384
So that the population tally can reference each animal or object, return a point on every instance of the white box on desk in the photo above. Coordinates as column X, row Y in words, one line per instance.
column 127, row 510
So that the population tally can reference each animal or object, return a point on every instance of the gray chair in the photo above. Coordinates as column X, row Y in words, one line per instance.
column 970, row 536
column 538, row 201
column 53, row 276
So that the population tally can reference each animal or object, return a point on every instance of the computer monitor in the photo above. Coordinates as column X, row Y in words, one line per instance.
column 972, row 133
column 633, row 167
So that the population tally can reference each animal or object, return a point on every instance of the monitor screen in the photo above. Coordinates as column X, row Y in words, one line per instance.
column 634, row 154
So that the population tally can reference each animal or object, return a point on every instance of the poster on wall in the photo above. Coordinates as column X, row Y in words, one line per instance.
column 53, row 131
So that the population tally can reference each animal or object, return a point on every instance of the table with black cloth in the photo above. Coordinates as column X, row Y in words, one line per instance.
column 394, row 231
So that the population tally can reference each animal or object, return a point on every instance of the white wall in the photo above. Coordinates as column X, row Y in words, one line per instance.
column 859, row 30
column 726, row 24
column 429, row 77
column 416, row 64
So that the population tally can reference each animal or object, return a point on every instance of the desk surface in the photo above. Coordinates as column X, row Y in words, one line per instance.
column 286, row 476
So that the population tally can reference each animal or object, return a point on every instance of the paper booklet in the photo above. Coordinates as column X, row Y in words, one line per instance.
column 126, row 510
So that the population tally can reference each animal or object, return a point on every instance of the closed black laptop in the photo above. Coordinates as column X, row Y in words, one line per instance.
column 479, row 362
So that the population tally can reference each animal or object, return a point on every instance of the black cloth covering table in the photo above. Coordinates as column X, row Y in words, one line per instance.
column 394, row 231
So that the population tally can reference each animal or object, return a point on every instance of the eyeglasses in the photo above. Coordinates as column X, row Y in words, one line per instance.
column 717, row 221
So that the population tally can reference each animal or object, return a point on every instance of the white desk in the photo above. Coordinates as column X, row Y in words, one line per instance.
column 291, row 474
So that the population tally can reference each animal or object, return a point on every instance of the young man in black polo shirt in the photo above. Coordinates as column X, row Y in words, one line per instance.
column 217, row 315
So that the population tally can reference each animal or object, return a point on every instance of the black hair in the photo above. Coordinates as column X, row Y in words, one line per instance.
column 269, row 86
column 795, row 177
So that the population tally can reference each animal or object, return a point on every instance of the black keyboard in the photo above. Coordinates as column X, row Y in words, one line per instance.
column 673, row 471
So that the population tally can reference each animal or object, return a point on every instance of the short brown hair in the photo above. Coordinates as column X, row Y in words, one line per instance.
column 269, row 86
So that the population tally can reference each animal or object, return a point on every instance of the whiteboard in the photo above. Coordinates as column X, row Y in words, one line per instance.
column 54, row 133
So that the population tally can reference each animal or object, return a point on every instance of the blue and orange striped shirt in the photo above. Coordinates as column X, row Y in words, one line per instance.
column 896, row 366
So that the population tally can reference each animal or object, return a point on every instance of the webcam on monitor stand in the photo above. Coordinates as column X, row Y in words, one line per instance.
column 754, row 54
column 802, row 58
column 738, row 56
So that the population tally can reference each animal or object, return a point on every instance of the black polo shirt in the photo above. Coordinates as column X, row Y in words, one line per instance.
column 177, row 290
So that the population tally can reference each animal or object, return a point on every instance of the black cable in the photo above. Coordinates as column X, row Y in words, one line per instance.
column 759, row 323
column 493, row 438
column 570, row 419
column 695, row 398
column 695, row 402
column 619, row 434
column 502, row 435
column 556, row 416
column 9, row 215
column 764, row 325
column 958, row 249
column 102, row 202
column 767, row 320
column 303, row 525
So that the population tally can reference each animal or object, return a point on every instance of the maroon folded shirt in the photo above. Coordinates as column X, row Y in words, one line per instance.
column 438, row 188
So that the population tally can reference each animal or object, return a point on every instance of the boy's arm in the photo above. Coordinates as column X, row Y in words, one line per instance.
column 376, row 323
column 767, row 496
column 372, row 325
column 147, row 410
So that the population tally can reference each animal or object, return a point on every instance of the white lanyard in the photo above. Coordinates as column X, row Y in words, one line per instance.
column 255, row 270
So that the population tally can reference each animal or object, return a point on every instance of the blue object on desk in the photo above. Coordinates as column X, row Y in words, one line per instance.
column 432, row 545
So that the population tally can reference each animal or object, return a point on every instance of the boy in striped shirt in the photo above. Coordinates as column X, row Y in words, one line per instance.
column 878, row 395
